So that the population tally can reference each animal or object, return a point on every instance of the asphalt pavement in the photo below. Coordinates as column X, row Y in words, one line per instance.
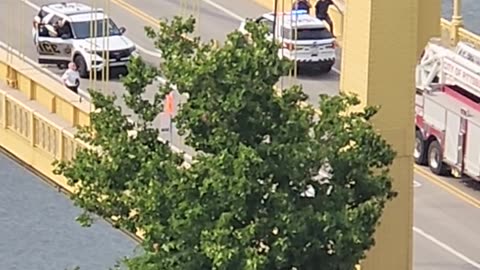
column 446, row 227
column 446, row 210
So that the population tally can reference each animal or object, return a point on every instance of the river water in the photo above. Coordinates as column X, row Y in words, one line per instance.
column 470, row 12
column 38, row 230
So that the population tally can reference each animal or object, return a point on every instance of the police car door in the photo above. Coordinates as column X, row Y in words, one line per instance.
column 51, row 49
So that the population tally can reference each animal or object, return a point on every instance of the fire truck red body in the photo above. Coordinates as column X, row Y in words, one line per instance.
column 447, row 111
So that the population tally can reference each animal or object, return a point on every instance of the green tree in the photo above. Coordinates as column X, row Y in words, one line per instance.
column 243, row 203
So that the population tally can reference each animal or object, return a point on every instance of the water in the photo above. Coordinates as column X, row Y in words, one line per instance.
column 470, row 12
column 38, row 228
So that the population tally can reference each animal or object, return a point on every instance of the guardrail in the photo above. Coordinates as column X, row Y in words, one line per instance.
column 448, row 34
column 35, row 135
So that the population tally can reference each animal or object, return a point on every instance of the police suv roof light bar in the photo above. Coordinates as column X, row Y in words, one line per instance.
column 299, row 12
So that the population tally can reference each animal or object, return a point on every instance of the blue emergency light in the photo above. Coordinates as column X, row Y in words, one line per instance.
column 299, row 12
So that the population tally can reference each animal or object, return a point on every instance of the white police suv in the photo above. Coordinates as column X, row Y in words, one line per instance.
column 64, row 32
column 304, row 38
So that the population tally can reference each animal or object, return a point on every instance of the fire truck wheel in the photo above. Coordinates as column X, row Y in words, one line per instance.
column 435, row 158
column 419, row 152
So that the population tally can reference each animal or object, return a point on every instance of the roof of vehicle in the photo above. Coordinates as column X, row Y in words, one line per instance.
column 298, row 18
column 75, row 11
column 91, row 16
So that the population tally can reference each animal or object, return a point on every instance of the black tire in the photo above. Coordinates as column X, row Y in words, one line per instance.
column 435, row 159
column 419, row 153
column 81, row 66
column 326, row 68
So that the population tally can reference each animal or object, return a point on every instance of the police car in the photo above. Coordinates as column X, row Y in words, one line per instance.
column 304, row 38
column 64, row 32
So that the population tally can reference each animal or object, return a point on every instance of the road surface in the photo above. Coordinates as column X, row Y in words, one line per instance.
column 444, row 221
column 446, row 226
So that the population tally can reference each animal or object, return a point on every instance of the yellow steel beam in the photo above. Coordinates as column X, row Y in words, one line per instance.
column 428, row 13
column 381, row 43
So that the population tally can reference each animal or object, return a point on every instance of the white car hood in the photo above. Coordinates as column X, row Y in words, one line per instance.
column 112, row 43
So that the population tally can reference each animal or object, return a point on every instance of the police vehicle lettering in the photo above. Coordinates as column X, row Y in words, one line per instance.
column 48, row 48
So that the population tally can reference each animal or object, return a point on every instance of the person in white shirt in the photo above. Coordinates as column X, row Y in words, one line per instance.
column 71, row 77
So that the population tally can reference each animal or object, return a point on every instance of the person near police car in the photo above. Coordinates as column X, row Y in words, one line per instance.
column 321, row 12
column 302, row 5
column 40, row 26
column 71, row 77
column 63, row 29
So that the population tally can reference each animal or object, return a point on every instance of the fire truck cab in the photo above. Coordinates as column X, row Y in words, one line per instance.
column 447, row 110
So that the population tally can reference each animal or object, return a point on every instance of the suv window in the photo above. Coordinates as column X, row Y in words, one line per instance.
column 267, row 23
column 54, row 20
column 84, row 29
column 307, row 34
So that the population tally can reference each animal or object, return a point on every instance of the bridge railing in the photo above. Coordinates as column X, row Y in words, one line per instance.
column 40, row 85
column 448, row 34
column 34, row 135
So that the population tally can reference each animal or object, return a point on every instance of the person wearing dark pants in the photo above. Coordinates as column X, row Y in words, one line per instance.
column 321, row 11
column 71, row 78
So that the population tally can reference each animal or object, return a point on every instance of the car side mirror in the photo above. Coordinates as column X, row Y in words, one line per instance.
column 122, row 30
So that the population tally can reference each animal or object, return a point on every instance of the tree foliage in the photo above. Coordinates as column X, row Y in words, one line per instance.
column 243, row 203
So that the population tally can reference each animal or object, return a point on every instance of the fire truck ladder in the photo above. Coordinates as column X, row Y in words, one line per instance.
column 440, row 65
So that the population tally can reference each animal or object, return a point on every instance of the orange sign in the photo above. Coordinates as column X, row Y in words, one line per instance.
column 169, row 106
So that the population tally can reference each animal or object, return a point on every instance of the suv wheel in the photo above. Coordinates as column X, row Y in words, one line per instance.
column 81, row 66
column 326, row 68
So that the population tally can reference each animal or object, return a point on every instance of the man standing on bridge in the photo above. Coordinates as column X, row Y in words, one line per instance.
column 321, row 11
column 71, row 78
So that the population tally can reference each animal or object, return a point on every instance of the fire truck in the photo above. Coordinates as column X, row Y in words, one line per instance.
column 447, row 110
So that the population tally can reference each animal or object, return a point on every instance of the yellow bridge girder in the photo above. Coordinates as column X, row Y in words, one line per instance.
column 381, row 43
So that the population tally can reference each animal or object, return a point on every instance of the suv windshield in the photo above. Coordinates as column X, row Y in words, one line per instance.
column 308, row 34
column 91, row 29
